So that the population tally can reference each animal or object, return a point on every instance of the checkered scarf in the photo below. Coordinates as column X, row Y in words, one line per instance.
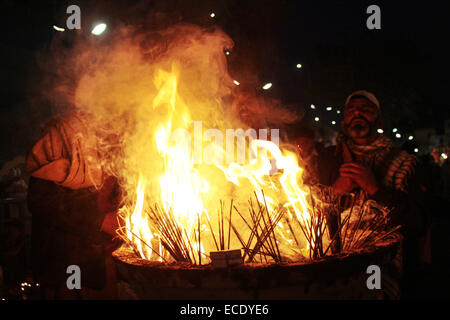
column 390, row 164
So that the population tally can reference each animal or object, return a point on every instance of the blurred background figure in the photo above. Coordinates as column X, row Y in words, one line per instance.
column 13, row 178
column 308, row 149
column 13, row 256
column 15, row 227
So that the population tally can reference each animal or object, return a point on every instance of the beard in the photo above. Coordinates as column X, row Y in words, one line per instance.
column 360, row 128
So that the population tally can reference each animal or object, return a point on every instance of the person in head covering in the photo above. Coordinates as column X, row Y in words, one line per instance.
column 364, row 160
column 367, row 159
column 73, row 207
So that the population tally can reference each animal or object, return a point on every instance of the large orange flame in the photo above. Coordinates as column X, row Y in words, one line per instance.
column 145, row 96
column 185, row 187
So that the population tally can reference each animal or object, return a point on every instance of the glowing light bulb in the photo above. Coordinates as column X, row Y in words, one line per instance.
column 99, row 29
column 267, row 86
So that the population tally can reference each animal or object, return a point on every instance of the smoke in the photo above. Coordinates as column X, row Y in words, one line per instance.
column 110, row 83
column 132, row 89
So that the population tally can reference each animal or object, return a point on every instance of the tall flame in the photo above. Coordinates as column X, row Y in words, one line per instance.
column 273, row 174
column 181, row 184
column 143, row 95
column 137, row 224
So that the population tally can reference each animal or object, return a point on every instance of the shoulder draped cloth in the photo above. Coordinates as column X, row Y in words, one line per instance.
column 66, row 154
column 394, row 166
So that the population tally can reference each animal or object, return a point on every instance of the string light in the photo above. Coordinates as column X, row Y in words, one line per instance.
column 58, row 29
column 236, row 82
column 410, row 138
column 416, row 150
column 333, row 122
column 398, row 135
column 212, row 15
column 338, row 111
column 380, row 131
column 316, row 119
column 99, row 29
column 444, row 156
column 329, row 108
column 267, row 86
column 313, row 107
column 299, row 66
column 394, row 130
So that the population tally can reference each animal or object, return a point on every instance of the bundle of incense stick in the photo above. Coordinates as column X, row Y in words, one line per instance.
column 352, row 232
column 221, row 240
column 262, row 240
column 328, row 206
column 314, row 229
column 174, row 238
column 122, row 234
column 312, row 225
column 367, row 229
column 360, row 227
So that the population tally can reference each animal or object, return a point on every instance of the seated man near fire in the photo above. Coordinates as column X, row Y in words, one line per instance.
column 365, row 160
column 71, row 204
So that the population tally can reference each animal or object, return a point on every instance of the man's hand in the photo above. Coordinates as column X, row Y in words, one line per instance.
column 361, row 175
column 344, row 185
column 110, row 223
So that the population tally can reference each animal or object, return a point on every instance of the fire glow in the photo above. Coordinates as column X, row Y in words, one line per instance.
column 186, row 188
column 173, row 206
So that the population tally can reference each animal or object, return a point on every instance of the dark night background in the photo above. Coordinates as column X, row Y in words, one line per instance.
column 404, row 63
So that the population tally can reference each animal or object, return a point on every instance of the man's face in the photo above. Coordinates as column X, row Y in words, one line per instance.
column 360, row 120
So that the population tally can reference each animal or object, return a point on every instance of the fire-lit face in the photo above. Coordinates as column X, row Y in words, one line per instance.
column 360, row 120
